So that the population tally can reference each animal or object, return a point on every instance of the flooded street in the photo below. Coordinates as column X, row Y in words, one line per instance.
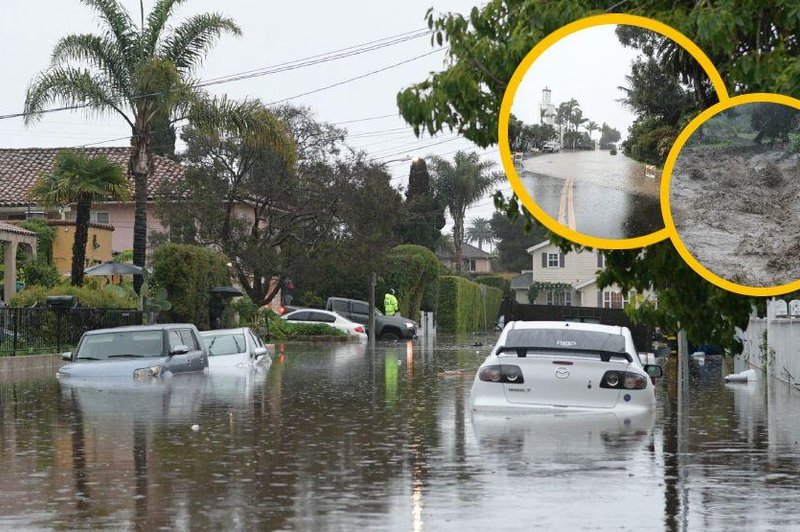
column 331, row 437
column 595, row 193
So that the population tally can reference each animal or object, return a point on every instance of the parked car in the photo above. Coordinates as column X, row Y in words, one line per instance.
column 235, row 348
column 140, row 352
column 563, row 366
column 551, row 146
column 328, row 318
column 386, row 327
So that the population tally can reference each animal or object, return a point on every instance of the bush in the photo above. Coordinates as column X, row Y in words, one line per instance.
column 45, row 235
column 109, row 296
column 461, row 308
column 280, row 329
column 794, row 142
column 412, row 271
column 612, row 151
column 188, row 273
column 495, row 281
column 35, row 271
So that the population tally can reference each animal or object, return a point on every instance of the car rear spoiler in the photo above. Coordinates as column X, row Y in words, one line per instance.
column 605, row 356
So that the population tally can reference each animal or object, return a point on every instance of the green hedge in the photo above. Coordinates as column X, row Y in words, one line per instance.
column 461, row 308
column 280, row 329
column 412, row 271
column 188, row 273
column 109, row 296
column 495, row 281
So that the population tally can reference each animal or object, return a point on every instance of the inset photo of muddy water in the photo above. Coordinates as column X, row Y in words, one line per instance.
column 735, row 194
column 591, row 124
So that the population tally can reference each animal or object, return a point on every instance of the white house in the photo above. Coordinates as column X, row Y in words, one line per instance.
column 566, row 279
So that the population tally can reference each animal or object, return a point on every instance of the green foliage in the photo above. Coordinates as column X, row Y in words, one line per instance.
column 794, row 142
column 410, row 270
column 280, row 329
column 461, row 308
column 45, row 235
column 495, row 281
column 38, row 272
column 649, row 140
column 108, row 296
column 422, row 217
column 513, row 242
column 612, row 151
column 608, row 137
column 187, row 274
column 773, row 121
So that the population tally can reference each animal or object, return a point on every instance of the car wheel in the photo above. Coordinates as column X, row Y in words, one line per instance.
column 390, row 336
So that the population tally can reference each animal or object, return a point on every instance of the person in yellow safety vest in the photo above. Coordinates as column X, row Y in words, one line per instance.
column 390, row 305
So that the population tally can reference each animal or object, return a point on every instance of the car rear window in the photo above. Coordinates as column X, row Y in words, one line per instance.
column 104, row 345
column 225, row 344
column 298, row 316
column 565, row 339
column 323, row 317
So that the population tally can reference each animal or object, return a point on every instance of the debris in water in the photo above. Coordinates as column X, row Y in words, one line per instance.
column 195, row 427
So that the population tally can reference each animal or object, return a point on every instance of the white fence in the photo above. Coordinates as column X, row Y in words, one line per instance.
column 773, row 343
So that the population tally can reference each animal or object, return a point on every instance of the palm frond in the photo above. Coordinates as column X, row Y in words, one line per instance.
column 71, row 86
column 156, row 23
column 97, row 51
column 249, row 120
column 193, row 39
column 119, row 24
column 76, row 175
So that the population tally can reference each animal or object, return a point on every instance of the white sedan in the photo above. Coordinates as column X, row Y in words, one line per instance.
column 310, row 315
column 240, row 347
column 562, row 367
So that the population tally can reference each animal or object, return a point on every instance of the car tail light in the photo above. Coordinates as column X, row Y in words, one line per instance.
column 506, row 373
column 359, row 329
column 281, row 311
column 623, row 380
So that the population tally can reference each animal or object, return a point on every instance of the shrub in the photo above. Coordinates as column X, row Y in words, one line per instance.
column 109, row 296
column 613, row 151
column 280, row 329
column 495, row 281
column 461, row 308
column 188, row 273
column 44, row 238
column 35, row 271
column 794, row 142
column 412, row 271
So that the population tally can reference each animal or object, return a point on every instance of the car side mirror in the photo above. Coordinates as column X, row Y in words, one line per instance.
column 179, row 349
column 260, row 351
column 66, row 356
column 654, row 370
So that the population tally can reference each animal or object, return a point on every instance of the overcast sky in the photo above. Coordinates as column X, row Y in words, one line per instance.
column 273, row 32
column 589, row 66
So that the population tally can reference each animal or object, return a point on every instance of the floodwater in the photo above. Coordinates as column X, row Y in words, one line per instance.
column 334, row 438
column 595, row 193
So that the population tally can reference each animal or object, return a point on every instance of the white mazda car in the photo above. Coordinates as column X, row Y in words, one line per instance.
column 564, row 366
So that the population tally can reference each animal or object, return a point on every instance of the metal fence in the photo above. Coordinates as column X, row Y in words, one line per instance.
column 47, row 330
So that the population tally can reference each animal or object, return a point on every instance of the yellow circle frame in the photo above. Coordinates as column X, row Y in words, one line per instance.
column 669, row 223
column 511, row 91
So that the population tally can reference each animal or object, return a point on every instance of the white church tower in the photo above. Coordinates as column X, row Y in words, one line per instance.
column 547, row 111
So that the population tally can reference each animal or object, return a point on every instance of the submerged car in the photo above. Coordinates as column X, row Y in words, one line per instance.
column 239, row 347
column 564, row 366
column 326, row 317
column 140, row 352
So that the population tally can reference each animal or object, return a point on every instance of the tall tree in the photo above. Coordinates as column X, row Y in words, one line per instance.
column 144, row 73
column 513, row 242
column 461, row 183
column 423, row 217
column 480, row 232
column 79, row 179
column 591, row 127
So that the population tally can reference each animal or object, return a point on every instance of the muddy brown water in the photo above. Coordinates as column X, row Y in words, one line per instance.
column 612, row 197
column 334, row 438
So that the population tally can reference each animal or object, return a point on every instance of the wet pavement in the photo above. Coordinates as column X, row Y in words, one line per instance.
column 334, row 438
column 595, row 193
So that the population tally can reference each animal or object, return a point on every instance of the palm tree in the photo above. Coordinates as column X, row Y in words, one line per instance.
column 146, row 74
column 79, row 179
column 591, row 127
column 480, row 232
column 462, row 183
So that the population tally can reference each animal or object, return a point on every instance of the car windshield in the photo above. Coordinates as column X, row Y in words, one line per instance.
column 225, row 344
column 121, row 344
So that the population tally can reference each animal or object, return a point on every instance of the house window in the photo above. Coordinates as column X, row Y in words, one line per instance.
column 553, row 260
column 561, row 297
column 601, row 260
column 469, row 265
column 100, row 218
column 614, row 299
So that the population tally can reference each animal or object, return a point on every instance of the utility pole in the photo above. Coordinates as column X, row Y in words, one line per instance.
column 371, row 319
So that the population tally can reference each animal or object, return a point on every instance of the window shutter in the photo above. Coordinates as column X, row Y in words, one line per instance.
column 599, row 299
column 560, row 260
column 599, row 259
column 544, row 260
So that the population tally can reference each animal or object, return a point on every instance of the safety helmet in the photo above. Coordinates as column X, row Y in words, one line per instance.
column 391, row 290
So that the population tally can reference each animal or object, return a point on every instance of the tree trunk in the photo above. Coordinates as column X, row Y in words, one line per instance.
column 81, row 238
column 458, row 240
column 140, row 167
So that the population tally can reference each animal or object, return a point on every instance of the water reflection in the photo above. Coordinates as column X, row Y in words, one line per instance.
column 338, row 437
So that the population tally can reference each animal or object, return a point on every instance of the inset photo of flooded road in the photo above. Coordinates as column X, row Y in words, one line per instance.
column 734, row 194
column 591, row 124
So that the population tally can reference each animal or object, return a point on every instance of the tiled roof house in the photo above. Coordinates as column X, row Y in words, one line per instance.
column 19, row 169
